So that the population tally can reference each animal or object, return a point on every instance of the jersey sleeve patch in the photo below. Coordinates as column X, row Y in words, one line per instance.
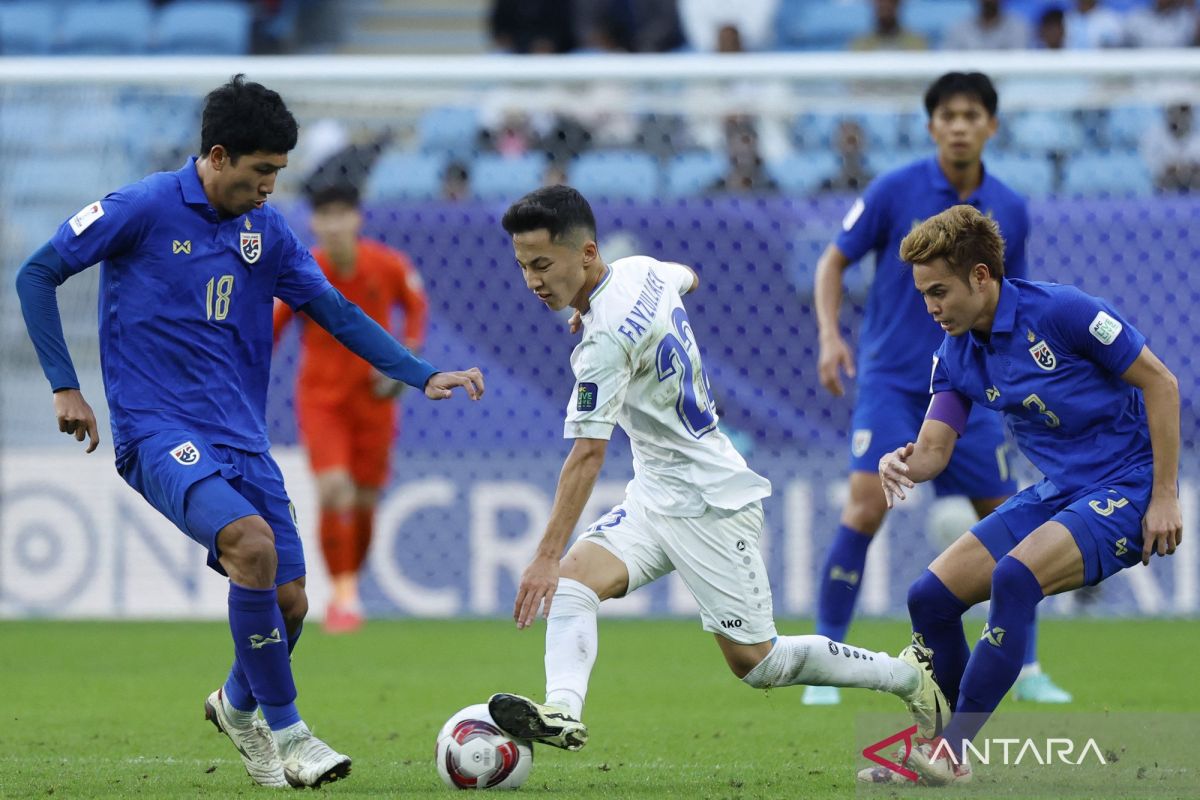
column 1105, row 328
column 853, row 214
column 86, row 216
column 585, row 396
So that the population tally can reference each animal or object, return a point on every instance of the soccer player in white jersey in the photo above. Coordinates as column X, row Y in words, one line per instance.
column 692, row 507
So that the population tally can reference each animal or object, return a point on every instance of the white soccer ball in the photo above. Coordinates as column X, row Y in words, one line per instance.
column 472, row 753
column 949, row 518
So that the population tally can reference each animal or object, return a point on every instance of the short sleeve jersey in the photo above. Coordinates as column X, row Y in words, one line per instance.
column 897, row 335
column 1052, row 365
column 185, row 306
column 638, row 366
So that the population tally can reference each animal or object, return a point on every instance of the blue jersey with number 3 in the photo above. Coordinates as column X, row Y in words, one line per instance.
column 185, row 306
column 1052, row 365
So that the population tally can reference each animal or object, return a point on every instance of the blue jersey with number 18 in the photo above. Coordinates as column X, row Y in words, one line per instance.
column 638, row 365
column 185, row 306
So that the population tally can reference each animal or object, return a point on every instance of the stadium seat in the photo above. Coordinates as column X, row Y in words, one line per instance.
column 1114, row 174
column 615, row 173
column 1031, row 176
column 204, row 27
column 495, row 177
column 115, row 27
column 450, row 130
column 821, row 24
column 1045, row 131
column 1127, row 125
column 813, row 130
column 932, row 18
column 24, row 122
column 402, row 175
column 802, row 173
column 692, row 173
column 27, row 29
column 887, row 159
column 66, row 181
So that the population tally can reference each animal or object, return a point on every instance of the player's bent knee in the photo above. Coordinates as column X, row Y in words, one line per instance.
column 1012, row 579
column 293, row 604
column 573, row 599
column 247, row 547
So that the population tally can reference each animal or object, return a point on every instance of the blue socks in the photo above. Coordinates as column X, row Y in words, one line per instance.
column 1031, row 643
column 997, row 659
column 841, row 578
column 237, row 685
column 261, row 652
column 937, row 618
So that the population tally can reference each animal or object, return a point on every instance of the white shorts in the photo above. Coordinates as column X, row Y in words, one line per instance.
column 716, row 555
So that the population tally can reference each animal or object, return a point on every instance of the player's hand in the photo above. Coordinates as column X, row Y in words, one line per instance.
column 1162, row 527
column 441, row 384
column 576, row 322
column 834, row 358
column 539, row 582
column 893, row 472
column 75, row 417
column 386, row 388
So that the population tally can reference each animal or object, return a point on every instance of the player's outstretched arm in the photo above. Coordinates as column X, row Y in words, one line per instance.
column 1162, row 526
column 905, row 467
column 835, row 355
column 539, row 581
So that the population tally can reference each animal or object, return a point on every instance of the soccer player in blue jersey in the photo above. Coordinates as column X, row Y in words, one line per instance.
column 1089, row 404
column 193, row 260
column 897, row 339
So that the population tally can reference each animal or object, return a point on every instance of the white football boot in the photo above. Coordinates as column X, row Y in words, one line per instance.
column 927, row 704
column 253, row 741
column 308, row 761
column 521, row 718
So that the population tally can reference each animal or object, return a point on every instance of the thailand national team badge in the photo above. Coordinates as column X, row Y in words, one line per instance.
column 1043, row 355
column 251, row 246
column 860, row 442
column 186, row 454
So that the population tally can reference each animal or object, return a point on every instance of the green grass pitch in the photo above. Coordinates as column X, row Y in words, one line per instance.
column 92, row 709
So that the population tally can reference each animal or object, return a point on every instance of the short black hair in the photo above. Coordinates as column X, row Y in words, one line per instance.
column 246, row 118
column 558, row 209
column 334, row 193
column 972, row 84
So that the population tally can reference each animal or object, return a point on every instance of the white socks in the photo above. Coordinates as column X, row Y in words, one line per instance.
column 817, row 661
column 570, row 645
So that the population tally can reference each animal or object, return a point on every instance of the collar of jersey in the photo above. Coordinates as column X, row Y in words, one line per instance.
column 1006, row 311
column 189, row 182
column 602, row 284
column 940, row 181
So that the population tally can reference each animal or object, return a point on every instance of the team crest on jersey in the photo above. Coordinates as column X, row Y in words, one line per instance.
column 251, row 246
column 1043, row 355
column 860, row 442
column 585, row 397
column 186, row 454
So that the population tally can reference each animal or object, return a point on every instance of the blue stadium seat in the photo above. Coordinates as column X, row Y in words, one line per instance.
column 495, row 177
column 887, row 159
column 822, row 24
column 932, row 18
column 1115, row 174
column 1031, row 176
column 692, row 173
column 802, row 173
column 69, row 181
column 115, row 27
column 1045, row 131
column 1128, row 124
column 204, row 27
column 615, row 173
column 24, row 122
column 402, row 175
column 449, row 130
column 27, row 29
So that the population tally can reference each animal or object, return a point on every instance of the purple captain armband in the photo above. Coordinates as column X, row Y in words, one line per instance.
column 950, row 407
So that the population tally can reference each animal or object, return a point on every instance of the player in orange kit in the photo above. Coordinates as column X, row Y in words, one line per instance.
column 345, row 408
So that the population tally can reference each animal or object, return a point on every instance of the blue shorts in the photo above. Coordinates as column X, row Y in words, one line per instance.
column 886, row 418
column 1105, row 521
column 203, row 487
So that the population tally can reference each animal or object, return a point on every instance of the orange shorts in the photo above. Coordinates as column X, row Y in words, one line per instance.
column 355, row 435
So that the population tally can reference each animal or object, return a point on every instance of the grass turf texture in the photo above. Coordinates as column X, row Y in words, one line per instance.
column 116, row 709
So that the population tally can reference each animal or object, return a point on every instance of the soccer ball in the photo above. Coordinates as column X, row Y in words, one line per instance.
column 472, row 753
column 949, row 518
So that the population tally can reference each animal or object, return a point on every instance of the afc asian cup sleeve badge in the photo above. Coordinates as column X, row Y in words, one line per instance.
column 860, row 442
column 1043, row 355
column 186, row 454
column 250, row 244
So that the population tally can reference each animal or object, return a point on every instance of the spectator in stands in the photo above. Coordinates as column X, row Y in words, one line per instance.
column 888, row 33
column 637, row 26
column 1091, row 26
column 992, row 29
column 753, row 21
column 1172, row 150
column 1051, row 29
column 746, row 171
column 853, row 175
column 1167, row 23
column 456, row 182
column 533, row 26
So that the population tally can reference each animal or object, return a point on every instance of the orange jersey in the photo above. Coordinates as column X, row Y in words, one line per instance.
column 383, row 278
